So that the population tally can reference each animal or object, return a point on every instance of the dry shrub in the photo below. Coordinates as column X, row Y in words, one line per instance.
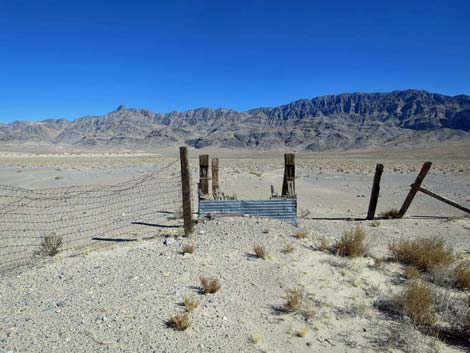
column 462, row 275
column 324, row 245
column 179, row 322
column 51, row 244
column 424, row 254
column 302, row 332
column 288, row 249
column 260, row 251
column 405, row 336
column 454, row 314
column 209, row 285
column 411, row 272
column 301, row 234
column 190, row 303
column 375, row 223
column 255, row 338
column 379, row 262
column 293, row 301
column 188, row 248
column 308, row 312
column 390, row 214
column 352, row 243
column 304, row 213
column 465, row 325
column 416, row 302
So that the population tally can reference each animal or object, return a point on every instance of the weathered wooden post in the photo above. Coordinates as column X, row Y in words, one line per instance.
column 288, row 184
column 374, row 196
column 215, row 176
column 414, row 188
column 186, row 191
column 443, row 199
column 204, row 174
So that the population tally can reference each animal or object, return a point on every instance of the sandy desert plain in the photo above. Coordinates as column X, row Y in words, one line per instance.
column 119, row 299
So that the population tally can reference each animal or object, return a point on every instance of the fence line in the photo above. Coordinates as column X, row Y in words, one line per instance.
column 86, row 216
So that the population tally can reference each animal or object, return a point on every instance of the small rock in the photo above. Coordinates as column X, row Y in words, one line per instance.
column 169, row 241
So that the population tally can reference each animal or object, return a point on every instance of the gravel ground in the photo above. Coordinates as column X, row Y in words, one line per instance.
column 118, row 300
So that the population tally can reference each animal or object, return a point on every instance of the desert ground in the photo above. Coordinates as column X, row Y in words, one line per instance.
column 120, row 298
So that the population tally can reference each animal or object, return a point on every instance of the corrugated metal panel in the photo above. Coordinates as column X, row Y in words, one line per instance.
column 283, row 209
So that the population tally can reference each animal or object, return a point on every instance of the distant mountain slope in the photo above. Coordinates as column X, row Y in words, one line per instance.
column 334, row 122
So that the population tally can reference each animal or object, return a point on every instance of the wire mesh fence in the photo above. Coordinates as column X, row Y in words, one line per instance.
column 86, row 216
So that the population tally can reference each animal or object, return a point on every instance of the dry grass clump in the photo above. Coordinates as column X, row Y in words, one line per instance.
column 209, row 285
column 352, row 243
column 51, row 244
column 255, row 338
column 379, row 262
column 462, row 276
column 390, row 214
column 188, row 248
column 405, row 336
column 324, row 245
column 288, row 249
column 293, row 301
column 416, row 302
column 190, row 303
column 304, row 213
column 302, row 332
column 179, row 322
column 424, row 254
column 301, row 234
column 375, row 223
column 411, row 272
column 260, row 252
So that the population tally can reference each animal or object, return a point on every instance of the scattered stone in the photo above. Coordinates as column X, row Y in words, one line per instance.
column 169, row 241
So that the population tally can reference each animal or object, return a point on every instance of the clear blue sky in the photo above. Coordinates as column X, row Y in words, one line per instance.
column 74, row 58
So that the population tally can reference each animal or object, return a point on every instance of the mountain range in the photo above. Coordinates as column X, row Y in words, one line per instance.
column 332, row 122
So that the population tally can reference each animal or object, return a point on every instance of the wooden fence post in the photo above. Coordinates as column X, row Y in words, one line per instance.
column 215, row 176
column 204, row 174
column 186, row 191
column 414, row 188
column 443, row 199
column 374, row 196
column 288, row 184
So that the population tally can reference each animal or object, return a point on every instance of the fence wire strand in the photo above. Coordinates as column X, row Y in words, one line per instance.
column 86, row 216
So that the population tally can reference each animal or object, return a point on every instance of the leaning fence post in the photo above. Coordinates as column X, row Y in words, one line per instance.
column 204, row 174
column 215, row 176
column 288, row 184
column 414, row 188
column 374, row 196
column 186, row 191
column 443, row 199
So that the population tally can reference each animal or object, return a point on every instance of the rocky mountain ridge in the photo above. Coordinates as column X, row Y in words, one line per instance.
column 333, row 122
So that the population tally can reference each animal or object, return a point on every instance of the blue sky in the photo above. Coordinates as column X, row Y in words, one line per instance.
column 75, row 58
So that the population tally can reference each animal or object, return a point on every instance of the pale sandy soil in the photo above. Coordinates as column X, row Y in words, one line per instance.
column 118, row 299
